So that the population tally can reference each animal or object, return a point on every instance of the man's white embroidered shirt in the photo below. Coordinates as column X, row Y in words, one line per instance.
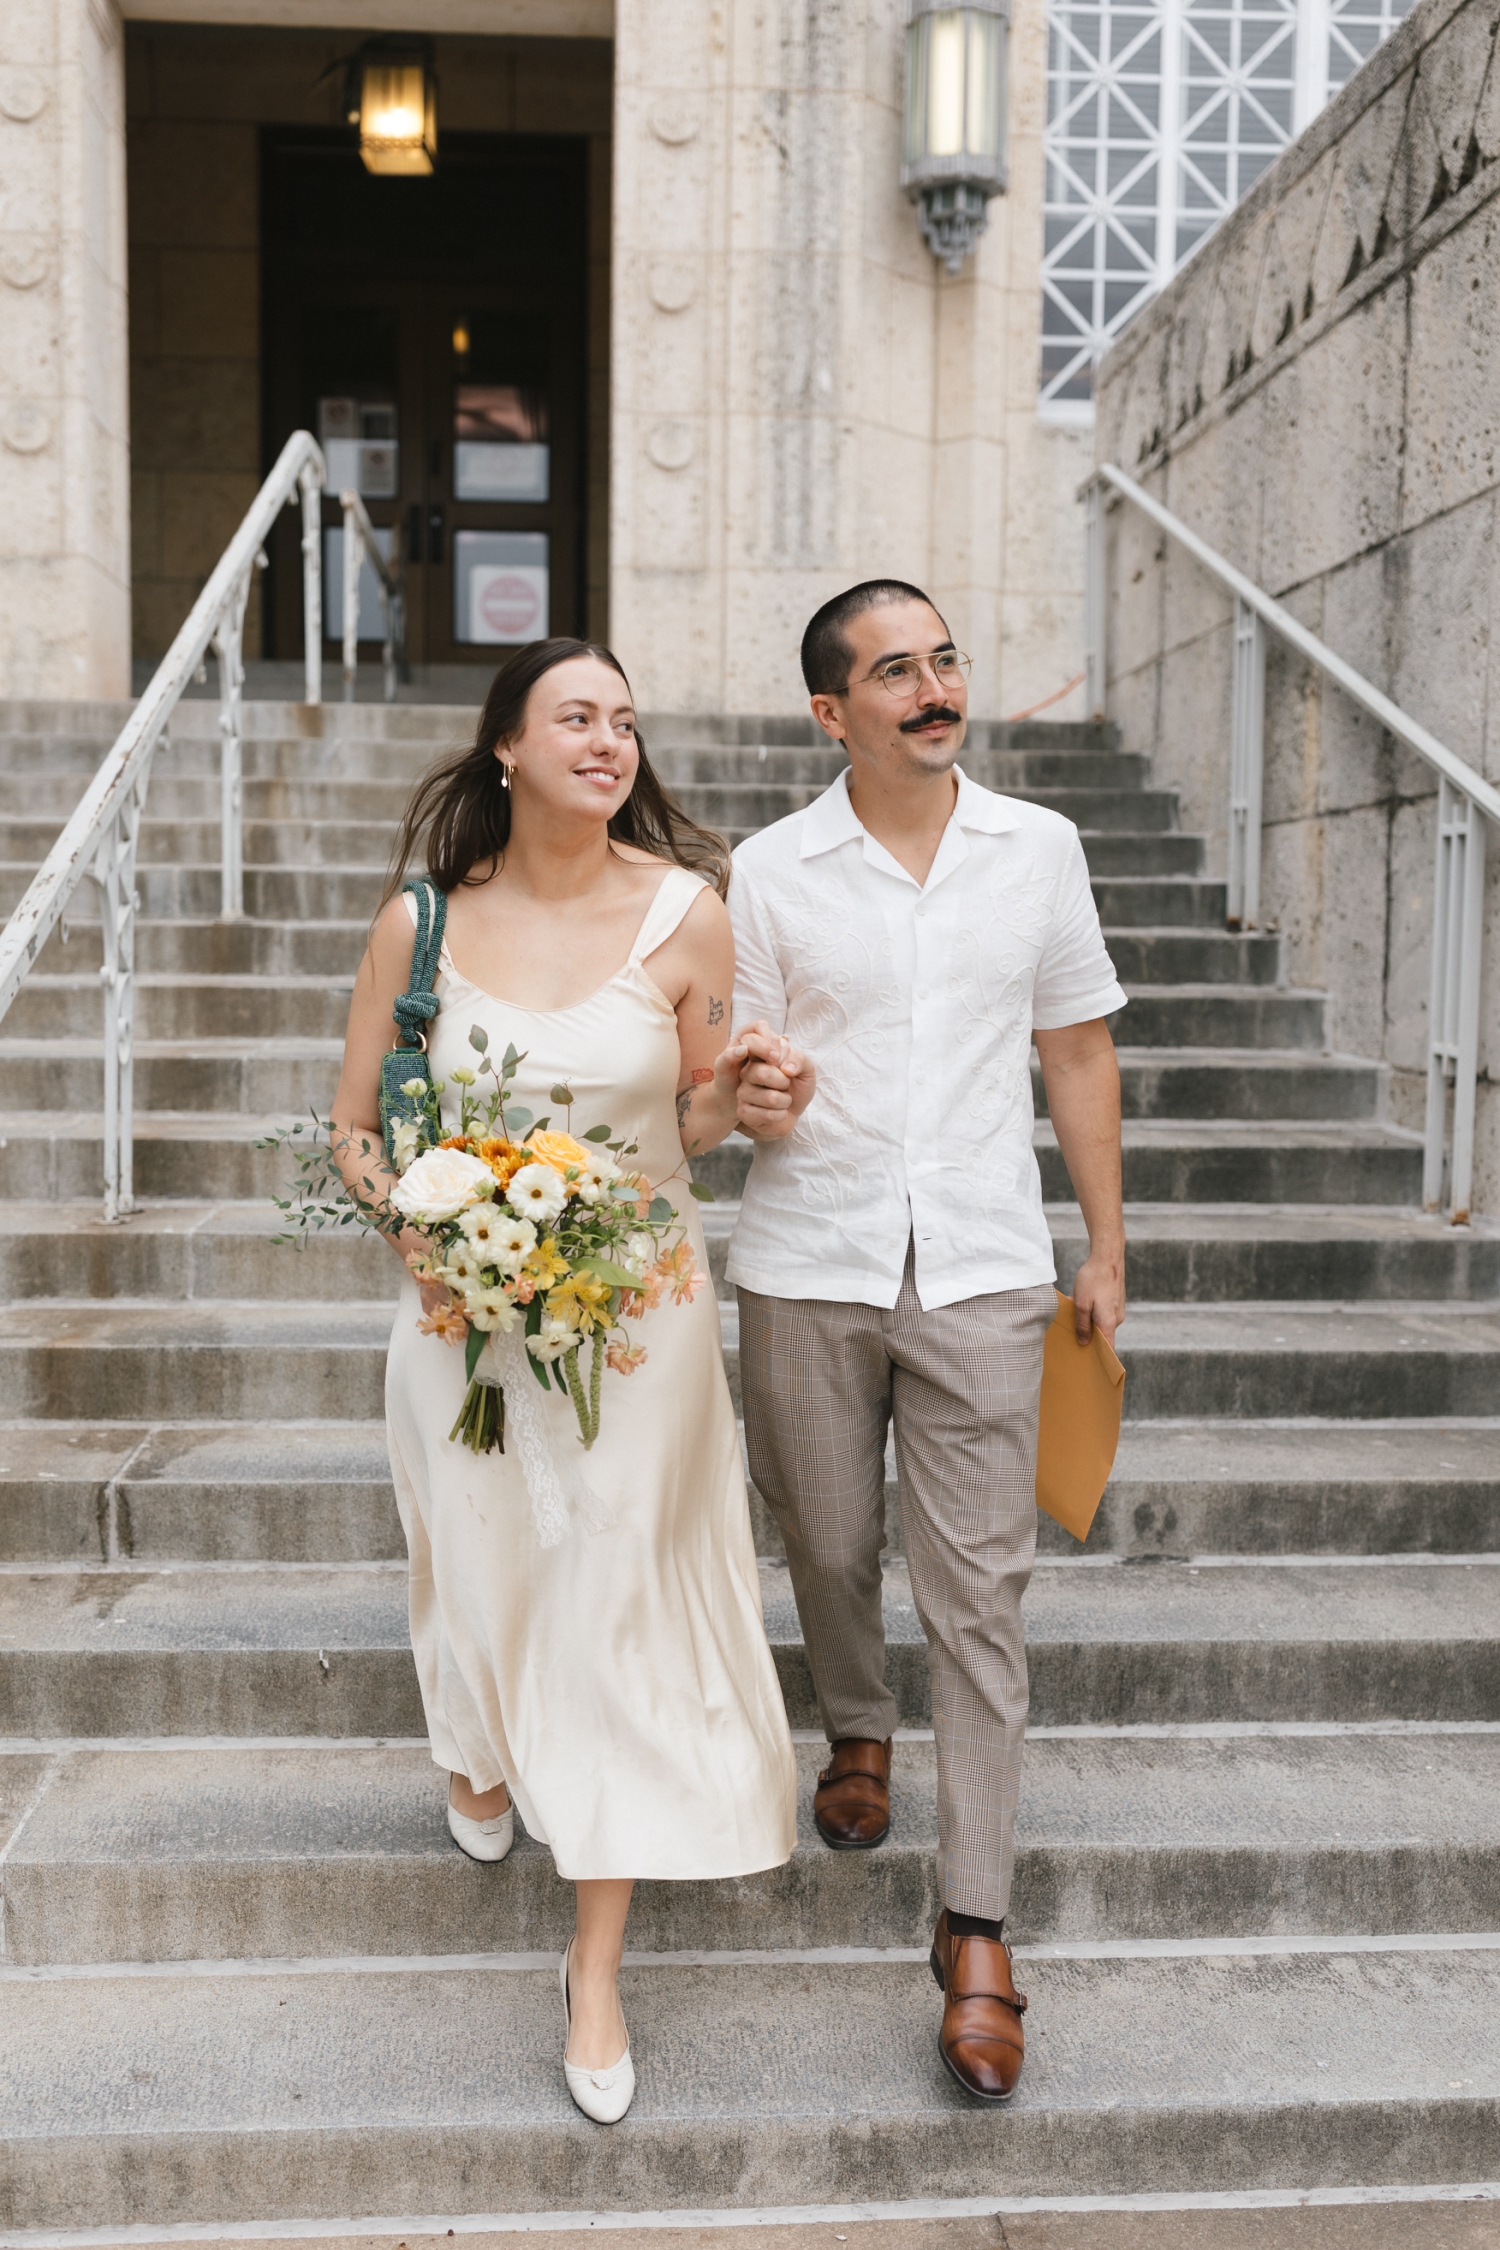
column 917, row 1004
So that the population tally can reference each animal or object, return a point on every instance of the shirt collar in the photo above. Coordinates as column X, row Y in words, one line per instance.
column 830, row 820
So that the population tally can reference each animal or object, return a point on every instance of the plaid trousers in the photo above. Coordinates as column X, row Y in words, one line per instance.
column 822, row 1383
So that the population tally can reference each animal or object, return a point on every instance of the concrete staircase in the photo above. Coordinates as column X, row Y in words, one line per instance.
column 245, row 1974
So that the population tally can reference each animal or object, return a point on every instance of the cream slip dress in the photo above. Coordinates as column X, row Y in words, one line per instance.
column 618, row 1682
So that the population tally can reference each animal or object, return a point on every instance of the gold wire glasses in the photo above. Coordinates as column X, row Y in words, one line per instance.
column 902, row 676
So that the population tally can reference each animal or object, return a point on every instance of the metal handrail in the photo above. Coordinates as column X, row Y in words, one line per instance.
column 1465, row 801
column 100, row 839
column 361, row 545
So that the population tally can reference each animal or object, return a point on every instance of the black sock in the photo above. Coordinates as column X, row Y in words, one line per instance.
column 974, row 1925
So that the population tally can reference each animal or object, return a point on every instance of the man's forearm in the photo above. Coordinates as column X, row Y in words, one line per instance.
column 1083, row 1101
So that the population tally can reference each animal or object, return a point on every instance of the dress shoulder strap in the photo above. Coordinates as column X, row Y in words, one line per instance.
column 676, row 893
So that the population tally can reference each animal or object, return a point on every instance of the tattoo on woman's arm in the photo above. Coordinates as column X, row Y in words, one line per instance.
column 715, row 1010
column 684, row 1104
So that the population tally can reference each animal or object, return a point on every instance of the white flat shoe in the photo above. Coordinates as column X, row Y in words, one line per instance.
column 488, row 1840
column 604, row 2095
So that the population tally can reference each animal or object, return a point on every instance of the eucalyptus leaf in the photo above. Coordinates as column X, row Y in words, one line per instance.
column 519, row 1120
column 479, row 1038
column 563, row 1097
column 660, row 1211
column 597, row 1133
column 699, row 1192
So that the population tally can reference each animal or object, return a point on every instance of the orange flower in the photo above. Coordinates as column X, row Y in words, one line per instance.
column 677, row 1269
column 645, row 1298
column 447, row 1322
column 625, row 1358
column 504, row 1159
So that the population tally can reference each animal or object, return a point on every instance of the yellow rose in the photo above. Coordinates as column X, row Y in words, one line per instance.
column 560, row 1150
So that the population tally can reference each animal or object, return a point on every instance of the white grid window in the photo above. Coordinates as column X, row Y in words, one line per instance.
column 1161, row 114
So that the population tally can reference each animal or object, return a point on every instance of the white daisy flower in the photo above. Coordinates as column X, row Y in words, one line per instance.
column 537, row 1192
column 490, row 1309
column 507, row 1242
column 463, row 1267
column 553, row 1339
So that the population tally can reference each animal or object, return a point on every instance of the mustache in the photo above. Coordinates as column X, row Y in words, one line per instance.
column 942, row 715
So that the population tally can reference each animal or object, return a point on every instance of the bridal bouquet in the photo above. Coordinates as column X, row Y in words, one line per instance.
column 534, row 1233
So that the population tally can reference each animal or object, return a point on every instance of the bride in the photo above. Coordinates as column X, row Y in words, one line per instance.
column 617, row 1687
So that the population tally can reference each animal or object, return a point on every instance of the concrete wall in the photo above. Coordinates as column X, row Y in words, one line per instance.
column 197, row 97
column 64, row 523
column 1318, row 395
column 801, row 396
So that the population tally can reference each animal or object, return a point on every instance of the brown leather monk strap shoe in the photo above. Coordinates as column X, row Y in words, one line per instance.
column 852, row 1802
column 981, row 2041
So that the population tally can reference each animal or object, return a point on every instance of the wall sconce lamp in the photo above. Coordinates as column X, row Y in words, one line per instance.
column 953, row 152
column 391, row 95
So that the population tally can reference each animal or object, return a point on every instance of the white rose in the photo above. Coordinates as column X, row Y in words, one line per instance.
column 537, row 1192
column 440, row 1184
column 405, row 1135
column 553, row 1339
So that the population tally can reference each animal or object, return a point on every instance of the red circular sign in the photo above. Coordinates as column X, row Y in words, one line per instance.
column 510, row 605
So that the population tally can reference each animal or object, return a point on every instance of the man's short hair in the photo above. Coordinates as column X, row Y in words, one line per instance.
column 826, row 654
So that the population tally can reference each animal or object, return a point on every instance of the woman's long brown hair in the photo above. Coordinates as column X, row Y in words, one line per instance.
column 458, row 816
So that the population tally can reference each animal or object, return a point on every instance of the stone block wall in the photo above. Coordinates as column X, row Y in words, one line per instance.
column 1318, row 396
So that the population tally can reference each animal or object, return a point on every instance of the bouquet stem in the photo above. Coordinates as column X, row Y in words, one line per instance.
column 481, row 1418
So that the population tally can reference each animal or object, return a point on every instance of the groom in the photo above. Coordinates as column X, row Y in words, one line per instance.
column 914, row 934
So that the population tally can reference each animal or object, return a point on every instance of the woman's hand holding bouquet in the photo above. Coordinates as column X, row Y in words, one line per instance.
column 525, row 1228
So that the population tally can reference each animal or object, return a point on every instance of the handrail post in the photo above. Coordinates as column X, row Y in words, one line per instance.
column 1246, row 767
column 353, row 557
column 229, row 644
column 113, row 871
column 1095, row 602
column 1453, row 1005
column 312, row 582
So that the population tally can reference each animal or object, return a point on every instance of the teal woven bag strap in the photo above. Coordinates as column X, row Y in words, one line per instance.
column 418, row 1004
column 406, row 1063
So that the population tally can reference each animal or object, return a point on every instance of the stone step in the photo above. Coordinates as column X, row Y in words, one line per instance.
column 1160, row 901
column 1170, row 1160
column 1206, row 1255
column 213, row 1155
column 304, row 1359
column 267, row 1852
column 1135, row 854
column 293, row 1075
column 212, row 1650
column 267, row 843
column 179, row 2099
column 183, row 947
column 1212, row 1015
column 743, row 786
column 85, row 1492
column 193, row 890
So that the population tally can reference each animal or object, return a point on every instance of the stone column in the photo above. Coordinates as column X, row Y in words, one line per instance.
column 773, row 325
column 64, row 423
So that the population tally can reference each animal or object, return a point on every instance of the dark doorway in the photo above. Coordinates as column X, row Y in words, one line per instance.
column 431, row 333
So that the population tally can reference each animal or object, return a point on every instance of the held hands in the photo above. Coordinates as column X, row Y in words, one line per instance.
column 776, row 1081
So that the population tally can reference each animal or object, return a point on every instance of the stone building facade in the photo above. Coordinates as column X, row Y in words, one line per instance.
column 1318, row 396
column 779, row 387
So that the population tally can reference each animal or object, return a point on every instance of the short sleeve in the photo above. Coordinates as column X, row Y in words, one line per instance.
column 759, row 986
column 1075, row 978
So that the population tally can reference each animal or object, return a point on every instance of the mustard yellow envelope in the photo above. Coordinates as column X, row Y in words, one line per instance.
column 1083, row 1391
